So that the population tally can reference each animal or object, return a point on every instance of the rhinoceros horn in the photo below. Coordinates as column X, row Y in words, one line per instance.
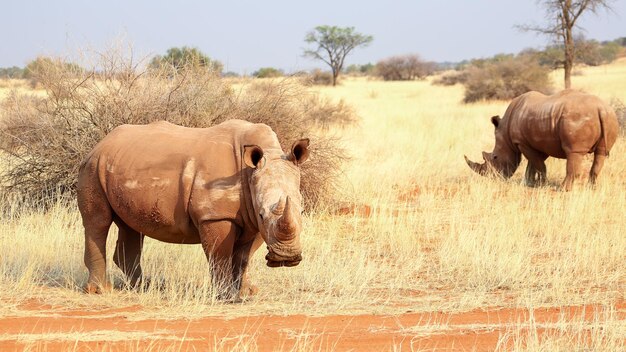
column 478, row 168
column 287, row 222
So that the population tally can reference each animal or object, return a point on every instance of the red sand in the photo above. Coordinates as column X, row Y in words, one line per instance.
column 477, row 330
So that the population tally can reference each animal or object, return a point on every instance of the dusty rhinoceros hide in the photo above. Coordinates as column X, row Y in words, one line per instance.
column 566, row 125
column 229, row 187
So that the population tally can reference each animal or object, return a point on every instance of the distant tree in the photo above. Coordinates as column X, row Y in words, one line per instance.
column 360, row 70
column 178, row 58
column 621, row 41
column 11, row 72
column 404, row 68
column 563, row 15
column 267, row 72
column 610, row 51
column 231, row 74
column 588, row 52
column 334, row 44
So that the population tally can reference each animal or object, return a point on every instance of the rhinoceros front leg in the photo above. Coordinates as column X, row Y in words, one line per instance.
column 574, row 161
column 218, row 239
column 536, row 173
column 128, row 253
column 242, row 256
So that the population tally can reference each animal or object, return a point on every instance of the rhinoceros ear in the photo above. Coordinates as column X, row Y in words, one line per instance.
column 253, row 156
column 299, row 151
column 495, row 120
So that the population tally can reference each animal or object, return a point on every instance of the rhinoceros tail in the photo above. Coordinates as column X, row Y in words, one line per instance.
column 602, row 112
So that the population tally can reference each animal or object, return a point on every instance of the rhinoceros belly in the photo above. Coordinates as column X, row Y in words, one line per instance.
column 153, row 205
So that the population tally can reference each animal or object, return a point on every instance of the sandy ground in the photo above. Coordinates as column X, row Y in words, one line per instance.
column 43, row 327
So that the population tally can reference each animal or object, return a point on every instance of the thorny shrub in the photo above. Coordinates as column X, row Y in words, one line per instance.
column 620, row 112
column 505, row 79
column 44, row 139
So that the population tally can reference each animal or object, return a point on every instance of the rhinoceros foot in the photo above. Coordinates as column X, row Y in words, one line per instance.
column 92, row 288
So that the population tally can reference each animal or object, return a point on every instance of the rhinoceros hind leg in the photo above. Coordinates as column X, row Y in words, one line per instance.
column 128, row 253
column 574, row 162
column 97, row 219
column 596, row 167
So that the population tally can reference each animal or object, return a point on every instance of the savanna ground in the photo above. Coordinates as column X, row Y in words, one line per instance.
column 425, row 254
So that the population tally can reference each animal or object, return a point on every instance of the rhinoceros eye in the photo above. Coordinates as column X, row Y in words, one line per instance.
column 495, row 157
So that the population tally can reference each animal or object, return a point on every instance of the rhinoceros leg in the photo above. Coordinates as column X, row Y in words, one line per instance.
column 128, row 252
column 97, row 218
column 536, row 169
column 218, row 239
column 596, row 167
column 574, row 161
column 242, row 255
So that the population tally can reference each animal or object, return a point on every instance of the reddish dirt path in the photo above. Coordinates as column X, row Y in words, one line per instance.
column 477, row 330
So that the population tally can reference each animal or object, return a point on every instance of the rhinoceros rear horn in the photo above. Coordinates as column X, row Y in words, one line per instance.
column 478, row 168
column 299, row 151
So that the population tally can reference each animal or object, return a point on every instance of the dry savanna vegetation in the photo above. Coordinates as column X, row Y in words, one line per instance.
column 414, row 251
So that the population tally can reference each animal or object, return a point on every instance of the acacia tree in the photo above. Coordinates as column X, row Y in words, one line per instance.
column 334, row 44
column 562, row 16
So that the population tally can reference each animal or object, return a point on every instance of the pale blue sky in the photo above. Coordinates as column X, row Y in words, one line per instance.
column 246, row 35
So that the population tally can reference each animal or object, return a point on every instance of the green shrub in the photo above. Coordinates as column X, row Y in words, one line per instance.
column 179, row 58
column 360, row 70
column 268, row 72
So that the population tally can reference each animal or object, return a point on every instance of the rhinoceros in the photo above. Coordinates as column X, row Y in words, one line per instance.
column 566, row 125
column 229, row 187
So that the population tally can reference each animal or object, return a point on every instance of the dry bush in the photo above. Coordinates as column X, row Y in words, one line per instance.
column 505, row 78
column 324, row 113
column 44, row 139
column 318, row 78
column 404, row 68
column 620, row 111
column 451, row 78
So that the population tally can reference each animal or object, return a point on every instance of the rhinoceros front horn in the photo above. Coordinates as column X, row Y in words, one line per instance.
column 478, row 168
column 287, row 222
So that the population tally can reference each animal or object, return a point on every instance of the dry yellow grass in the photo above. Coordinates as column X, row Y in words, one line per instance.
column 439, row 238
column 16, row 85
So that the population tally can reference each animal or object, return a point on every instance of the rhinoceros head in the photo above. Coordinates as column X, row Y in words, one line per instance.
column 503, row 160
column 275, row 192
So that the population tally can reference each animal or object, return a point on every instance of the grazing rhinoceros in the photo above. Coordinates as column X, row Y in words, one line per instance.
column 229, row 187
column 566, row 125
